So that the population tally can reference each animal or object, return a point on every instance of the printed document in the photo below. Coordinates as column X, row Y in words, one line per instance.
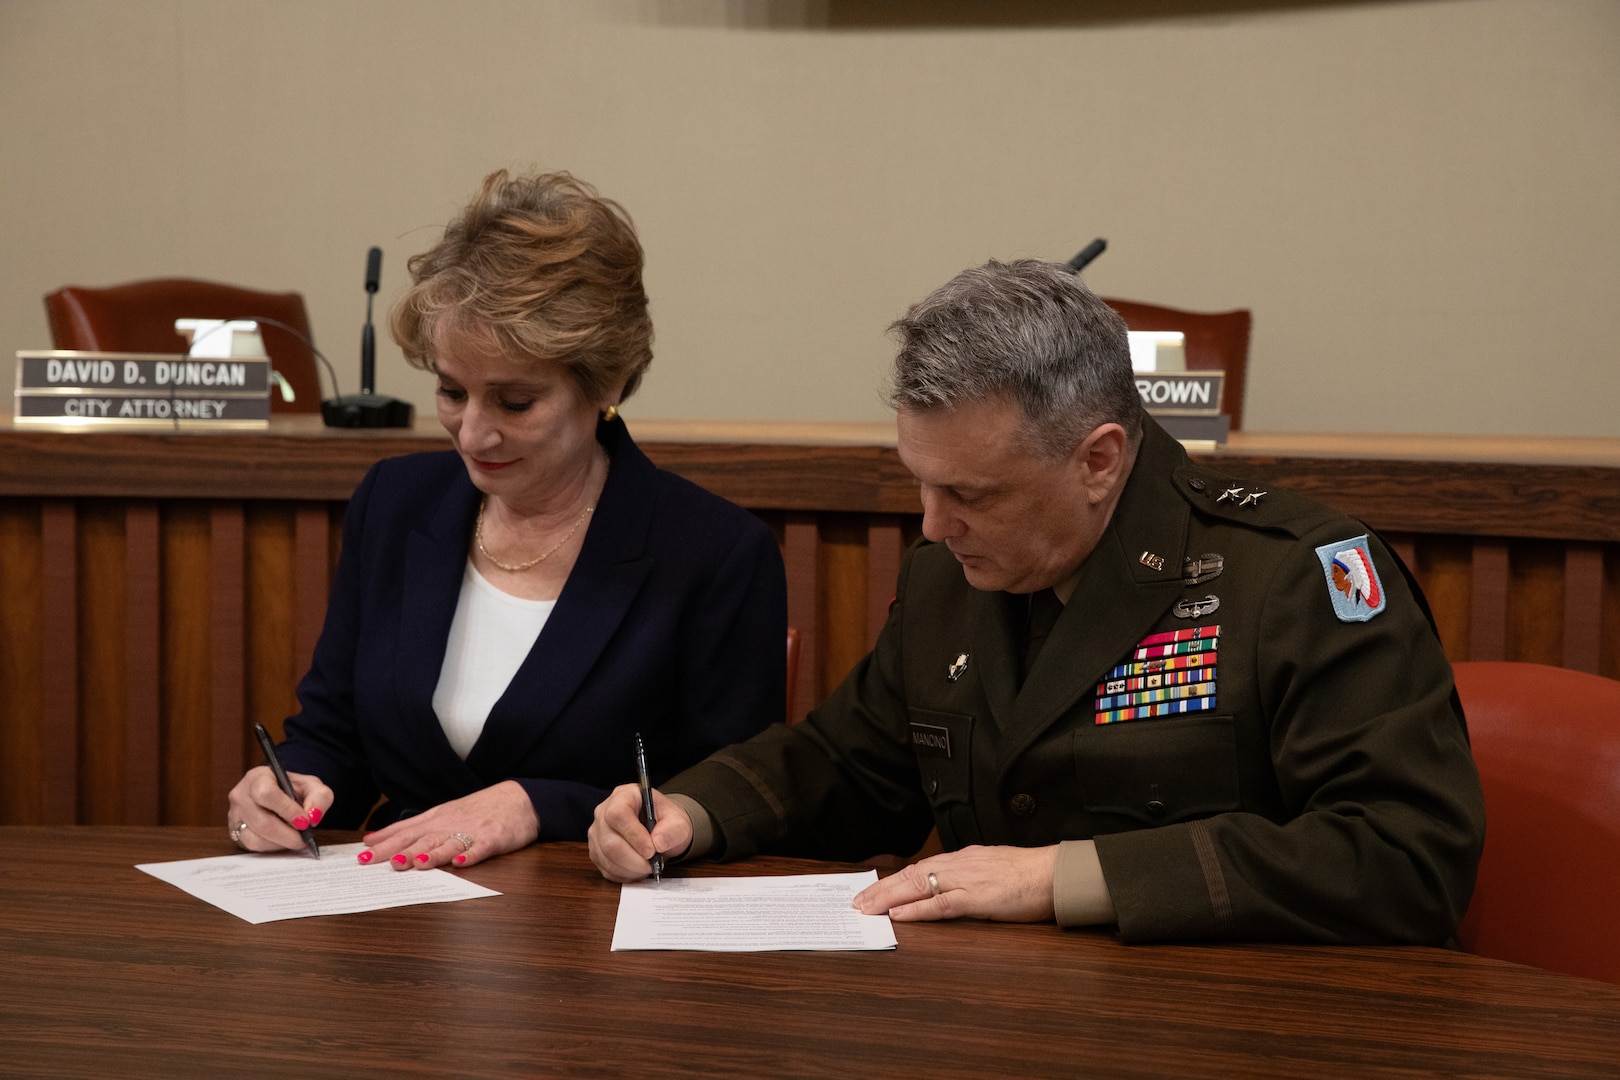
column 291, row 885
column 750, row 914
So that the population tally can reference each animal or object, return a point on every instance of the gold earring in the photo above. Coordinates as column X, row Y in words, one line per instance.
column 611, row 413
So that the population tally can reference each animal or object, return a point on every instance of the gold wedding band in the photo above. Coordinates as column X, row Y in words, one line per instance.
column 933, row 885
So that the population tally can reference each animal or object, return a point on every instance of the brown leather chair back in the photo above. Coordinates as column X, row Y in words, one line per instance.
column 792, row 672
column 1547, row 742
column 1217, row 341
column 139, row 317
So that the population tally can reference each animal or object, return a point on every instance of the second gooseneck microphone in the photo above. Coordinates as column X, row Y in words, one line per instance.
column 1084, row 256
column 368, row 335
column 368, row 408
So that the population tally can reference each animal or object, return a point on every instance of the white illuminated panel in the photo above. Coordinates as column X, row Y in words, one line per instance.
column 1158, row 350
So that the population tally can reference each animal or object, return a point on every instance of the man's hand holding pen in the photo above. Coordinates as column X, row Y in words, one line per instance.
column 621, row 845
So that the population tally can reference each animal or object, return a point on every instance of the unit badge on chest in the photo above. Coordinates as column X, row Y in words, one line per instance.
column 1195, row 609
column 1166, row 674
column 1206, row 567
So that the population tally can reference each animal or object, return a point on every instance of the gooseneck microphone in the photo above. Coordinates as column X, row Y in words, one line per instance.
column 276, row 378
column 368, row 408
column 1085, row 255
column 368, row 335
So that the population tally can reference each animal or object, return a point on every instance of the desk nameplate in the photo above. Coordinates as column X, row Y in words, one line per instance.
column 72, row 390
column 1181, row 393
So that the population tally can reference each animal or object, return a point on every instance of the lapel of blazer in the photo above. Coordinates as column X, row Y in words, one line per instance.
column 612, row 565
column 435, row 562
column 997, row 644
column 1117, row 599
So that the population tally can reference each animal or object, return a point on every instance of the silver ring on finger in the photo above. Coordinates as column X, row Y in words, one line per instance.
column 236, row 834
column 933, row 885
column 464, row 840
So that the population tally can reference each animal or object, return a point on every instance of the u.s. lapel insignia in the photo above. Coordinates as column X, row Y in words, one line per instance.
column 1352, row 579
column 1167, row 674
column 1150, row 560
column 1195, row 609
column 958, row 666
column 1206, row 567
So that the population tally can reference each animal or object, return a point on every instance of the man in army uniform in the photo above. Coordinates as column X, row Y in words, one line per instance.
column 1127, row 690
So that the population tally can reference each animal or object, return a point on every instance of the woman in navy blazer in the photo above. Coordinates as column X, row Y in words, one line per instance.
column 506, row 617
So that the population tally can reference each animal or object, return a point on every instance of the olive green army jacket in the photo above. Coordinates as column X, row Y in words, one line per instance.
column 1243, row 703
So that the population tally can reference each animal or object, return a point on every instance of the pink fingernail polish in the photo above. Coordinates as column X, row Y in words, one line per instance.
column 300, row 823
column 364, row 857
column 460, row 859
column 400, row 860
column 315, row 815
column 422, row 857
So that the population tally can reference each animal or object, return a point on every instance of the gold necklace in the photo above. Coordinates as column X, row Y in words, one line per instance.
column 518, row 568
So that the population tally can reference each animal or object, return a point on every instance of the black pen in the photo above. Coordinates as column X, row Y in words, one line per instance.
column 274, row 762
column 648, row 818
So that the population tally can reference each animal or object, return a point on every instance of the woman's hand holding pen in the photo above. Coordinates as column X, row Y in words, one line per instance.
column 458, row 833
column 263, row 818
column 620, row 845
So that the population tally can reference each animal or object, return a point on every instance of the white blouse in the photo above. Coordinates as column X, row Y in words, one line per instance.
column 490, row 637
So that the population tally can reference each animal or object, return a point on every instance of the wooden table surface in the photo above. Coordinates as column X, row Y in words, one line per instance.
column 105, row 971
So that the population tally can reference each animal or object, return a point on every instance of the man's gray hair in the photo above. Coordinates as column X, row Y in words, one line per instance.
column 1028, row 331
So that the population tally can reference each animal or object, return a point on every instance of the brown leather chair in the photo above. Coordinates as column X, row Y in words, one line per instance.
column 792, row 671
column 1218, row 341
column 139, row 317
column 1547, row 742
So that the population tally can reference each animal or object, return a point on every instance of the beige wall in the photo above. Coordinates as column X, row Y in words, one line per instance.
column 1420, row 201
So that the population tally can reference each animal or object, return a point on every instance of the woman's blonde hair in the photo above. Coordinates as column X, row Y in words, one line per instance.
column 547, row 267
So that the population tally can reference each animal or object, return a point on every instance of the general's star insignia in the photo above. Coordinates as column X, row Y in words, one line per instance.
column 1230, row 493
column 1252, row 498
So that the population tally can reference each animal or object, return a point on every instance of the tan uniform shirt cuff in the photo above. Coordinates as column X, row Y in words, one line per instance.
column 1079, row 893
column 702, row 828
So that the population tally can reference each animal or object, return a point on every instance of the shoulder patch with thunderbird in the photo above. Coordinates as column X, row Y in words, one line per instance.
column 1352, row 580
